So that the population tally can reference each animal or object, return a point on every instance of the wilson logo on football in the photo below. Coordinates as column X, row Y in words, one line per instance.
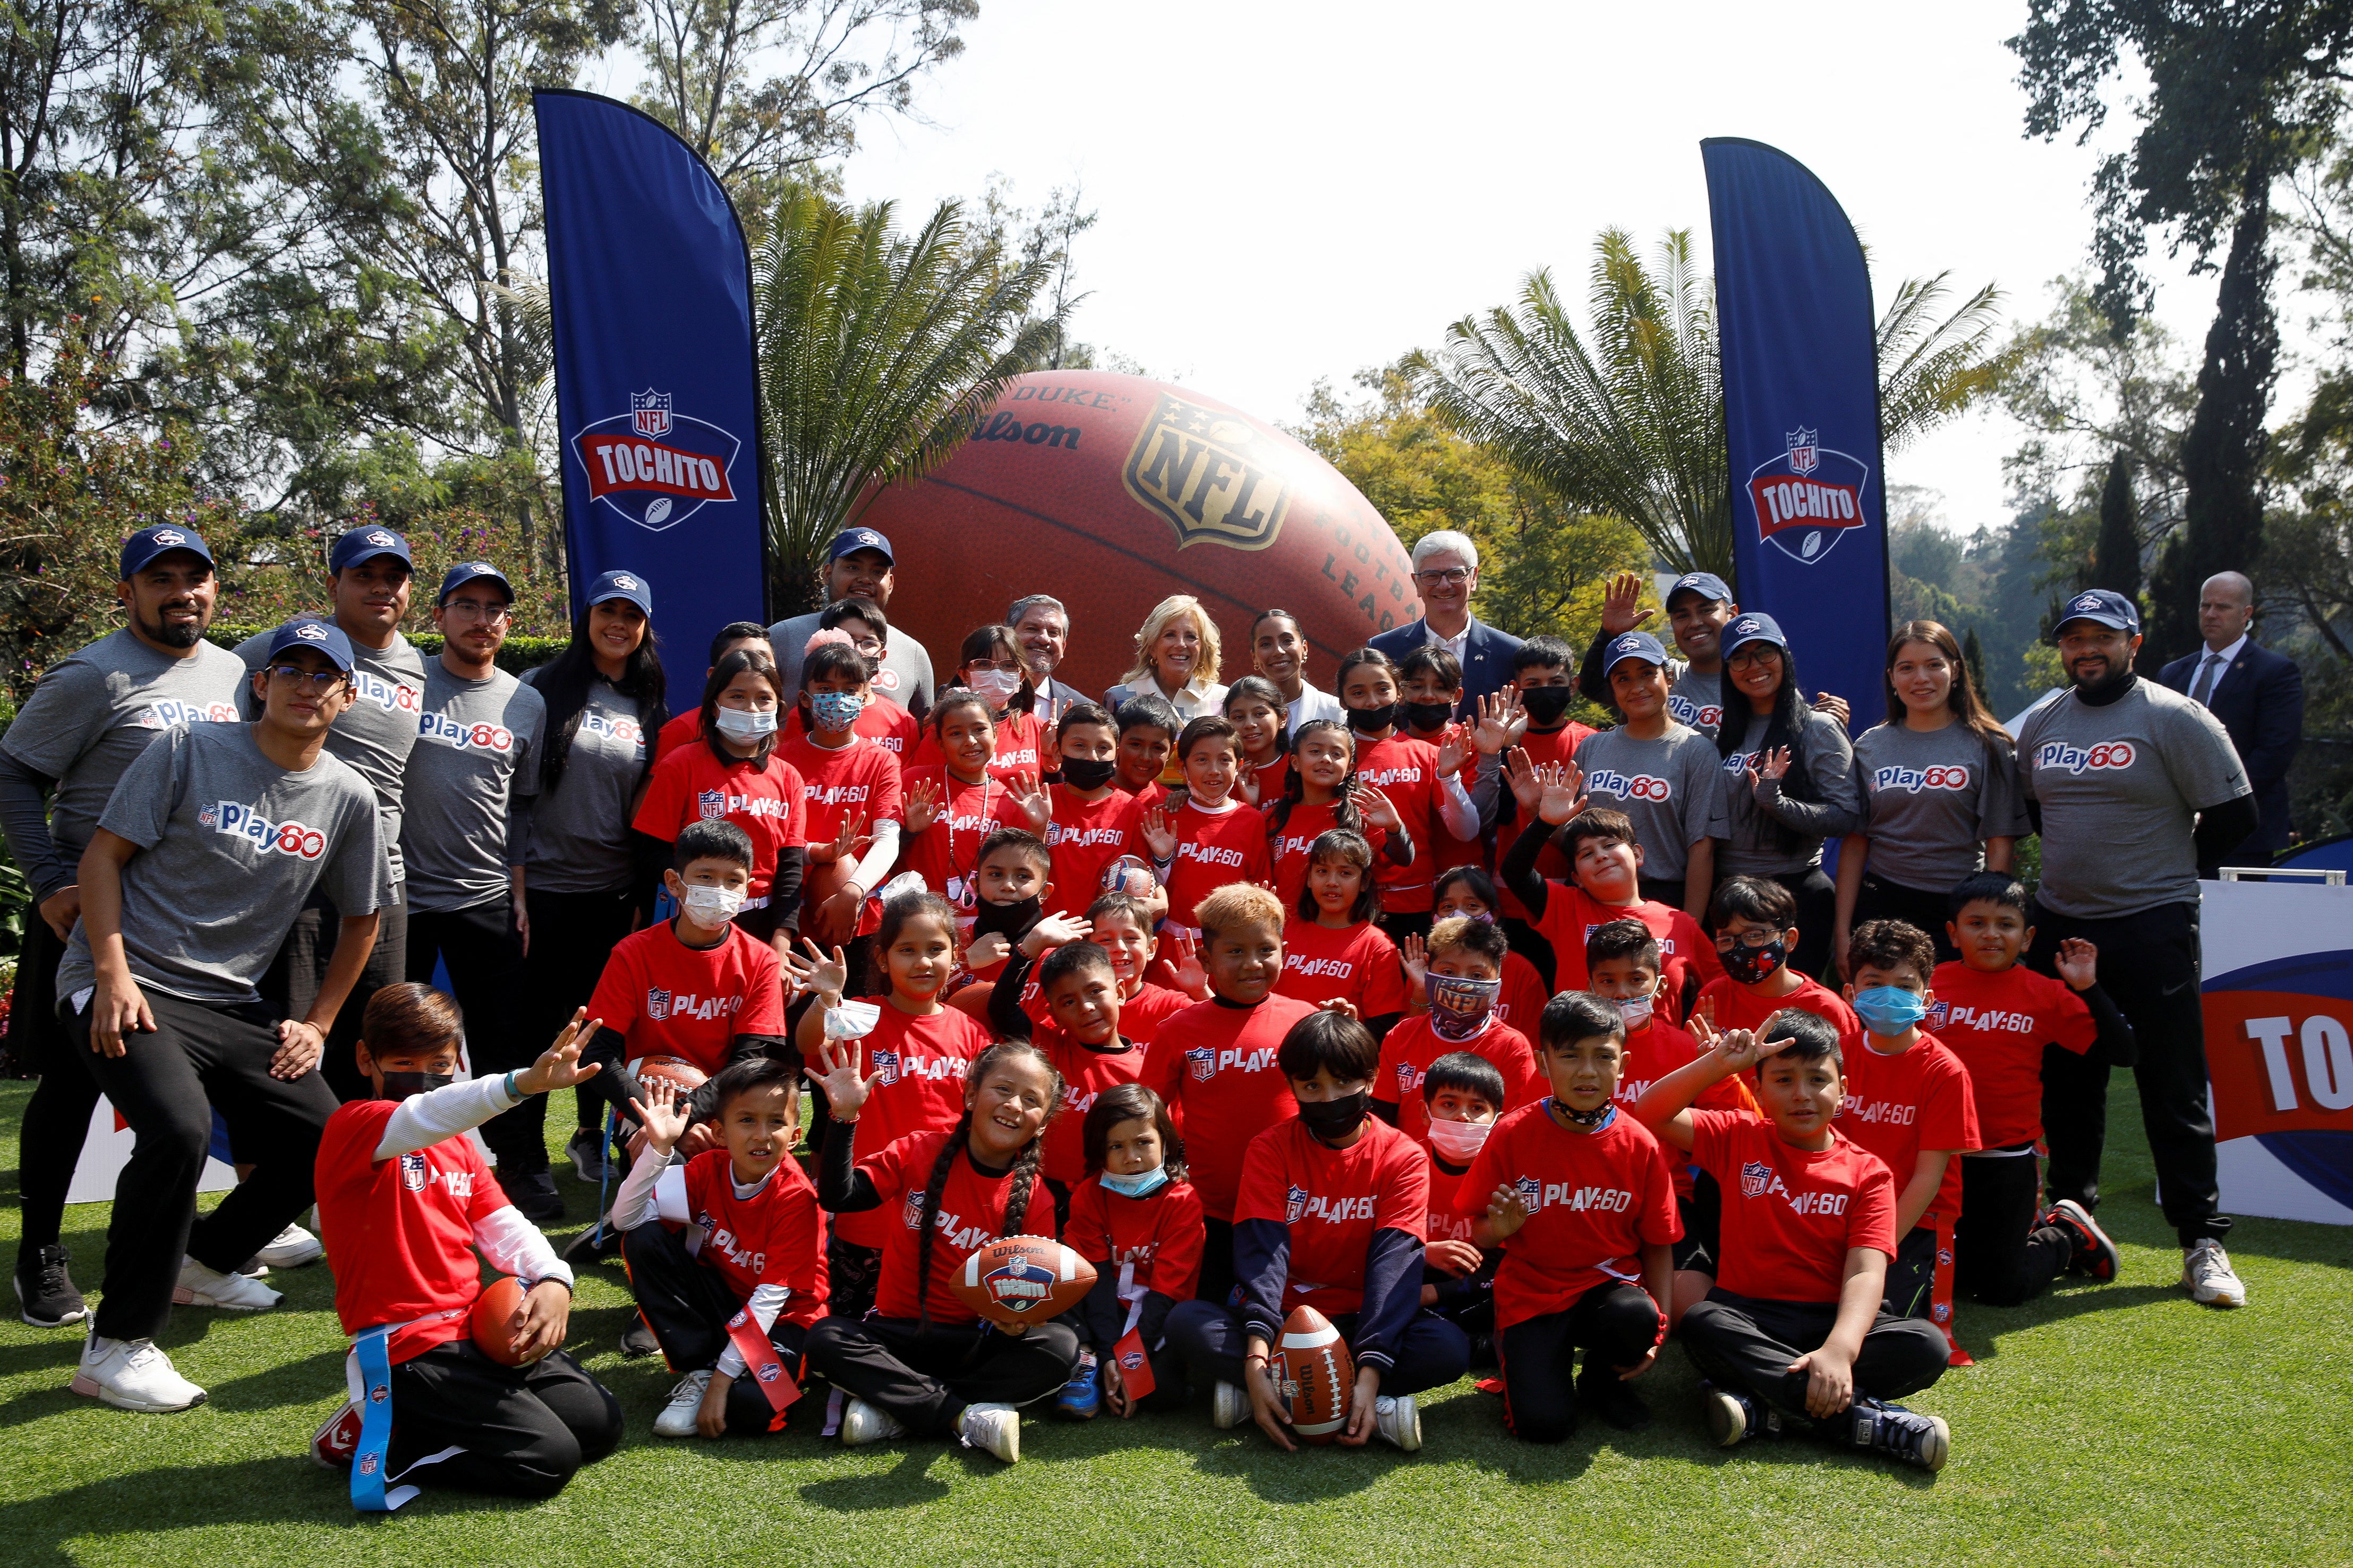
column 2076, row 758
column 1912, row 781
column 1806, row 499
column 1629, row 786
column 653, row 465
column 270, row 837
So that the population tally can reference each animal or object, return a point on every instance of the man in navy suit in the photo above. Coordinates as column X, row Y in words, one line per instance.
column 1446, row 574
column 2257, row 695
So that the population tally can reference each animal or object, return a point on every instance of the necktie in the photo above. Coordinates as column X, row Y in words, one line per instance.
column 2202, row 688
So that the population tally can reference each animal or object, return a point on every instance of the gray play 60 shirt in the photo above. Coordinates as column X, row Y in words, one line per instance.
column 1931, row 798
column 2121, row 786
column 231, row 844
column 377, row 731
column 477, row 748
column 1672, row 789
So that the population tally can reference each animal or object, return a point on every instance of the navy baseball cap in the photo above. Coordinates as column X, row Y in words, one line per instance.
column 366, row 543
column 309, row 631
column 1707, row 584
column 1633, row 645
column 2100, row 605
column 623, row 586
column 852, row 540
column 465, row 571
column 149, row 543
column 1750, row 626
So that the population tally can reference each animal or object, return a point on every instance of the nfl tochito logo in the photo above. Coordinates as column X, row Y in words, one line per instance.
column 1803, row 452
column 650, row 412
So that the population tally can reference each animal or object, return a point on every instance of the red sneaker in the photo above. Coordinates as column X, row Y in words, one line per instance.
column 2095, row 1255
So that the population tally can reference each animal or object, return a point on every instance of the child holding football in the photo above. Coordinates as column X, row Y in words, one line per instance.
column 1330, row 948
column 1793, row 1336
column 1578, row 1195
column 732, row 1294
column 1331, row 1214
column 921, row 1363
column 404, row 1200
column 1138, row 1221
column 1082, row 1037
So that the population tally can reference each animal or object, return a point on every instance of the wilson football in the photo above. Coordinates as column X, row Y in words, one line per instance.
column 492, row 1318
column 675, row 1070
column 1130, row 874
column 1314, row 1375
column 1020, row 1279
column 1113, row 492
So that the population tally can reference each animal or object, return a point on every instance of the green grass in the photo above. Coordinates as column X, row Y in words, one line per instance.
column 2117, row 1423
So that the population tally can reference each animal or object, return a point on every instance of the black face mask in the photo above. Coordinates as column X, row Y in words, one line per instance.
column 1429, row 716
column 1751, row 964
column 399, row 1086
column 1012, row 919
column 1546, row 705
column 1329, row 1120
column 1365, row 721
column 1085, row 772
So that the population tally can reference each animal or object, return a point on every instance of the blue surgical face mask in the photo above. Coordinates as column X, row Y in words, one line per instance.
column 835, row 710
column 1889, row 1010
column 1142, row 1184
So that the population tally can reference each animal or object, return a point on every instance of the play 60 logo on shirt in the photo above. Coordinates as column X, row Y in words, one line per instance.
column 1759, row 1180
column 458, row 735
column 2075, row 759
column 164, row 715
column 1912, row 781
column 256, row 828
column 1629, row 786
column 1535, row 1196
column 389, row 695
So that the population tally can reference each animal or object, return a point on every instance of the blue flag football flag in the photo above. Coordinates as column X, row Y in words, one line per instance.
column 1801, row 416
column 651, row 287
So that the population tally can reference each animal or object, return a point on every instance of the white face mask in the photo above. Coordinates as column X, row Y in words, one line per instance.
column 711, row 906
column 744, row 724
column 995, row 686
column 1458, row 1142
column 1635, row 1011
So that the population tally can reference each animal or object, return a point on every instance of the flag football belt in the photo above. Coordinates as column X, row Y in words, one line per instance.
column 762, row 1367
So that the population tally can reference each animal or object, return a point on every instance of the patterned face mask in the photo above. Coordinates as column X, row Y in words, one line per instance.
column 835, row 710
column 1459, row 1006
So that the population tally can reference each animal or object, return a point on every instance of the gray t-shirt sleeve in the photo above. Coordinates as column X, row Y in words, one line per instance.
column 1829, row 764
column 2002, row 808
column 24, row 820
column 2199, row 756
column 357, row 879
column 68, row 710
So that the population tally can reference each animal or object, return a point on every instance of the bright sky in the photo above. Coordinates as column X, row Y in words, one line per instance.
column 1292, row 191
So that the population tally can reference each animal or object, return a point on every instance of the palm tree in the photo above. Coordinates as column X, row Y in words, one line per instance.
column 1630, row 422
column 877, row 352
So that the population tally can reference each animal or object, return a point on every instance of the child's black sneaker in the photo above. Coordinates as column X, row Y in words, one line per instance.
column 586, row 1153
column 638, row 1339
column 2096, row 1257
column 1900, row 1434
column 46, row 1296
column 1735, row 1417
column 1612, row 1397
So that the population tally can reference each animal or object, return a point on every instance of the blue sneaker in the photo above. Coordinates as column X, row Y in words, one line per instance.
column 1080, row 1397
column 1900, row 1434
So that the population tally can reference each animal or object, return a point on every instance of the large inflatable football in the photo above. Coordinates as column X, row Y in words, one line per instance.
column 1111, row 492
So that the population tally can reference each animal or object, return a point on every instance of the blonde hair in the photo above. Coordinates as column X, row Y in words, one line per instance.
column 1206, row 669
column 1236, row 905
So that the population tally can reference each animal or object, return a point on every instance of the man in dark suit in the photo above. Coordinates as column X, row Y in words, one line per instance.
column 1446, row 574
column 2257, row 695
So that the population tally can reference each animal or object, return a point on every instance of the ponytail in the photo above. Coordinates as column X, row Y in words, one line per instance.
column 1025, row 1168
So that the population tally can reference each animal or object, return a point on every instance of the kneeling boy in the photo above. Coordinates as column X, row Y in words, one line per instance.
column 734, row 1291
column 1793, row 1335
column 404, row 1200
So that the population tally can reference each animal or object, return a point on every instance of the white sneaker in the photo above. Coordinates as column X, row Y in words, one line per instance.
column 862, row 1424
column 1397, row 1420
column 2206, row 1269
column 132, row 1375
column 291, row 1248
column 203, row 1287
column 994, row 1429
column 678, row 1418
column 1229, row 1407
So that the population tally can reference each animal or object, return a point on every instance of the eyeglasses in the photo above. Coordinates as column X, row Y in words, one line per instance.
column 1726, row 941
column 307, row 680
column 1752, row 657
column 475, row 610
column 1452, row 577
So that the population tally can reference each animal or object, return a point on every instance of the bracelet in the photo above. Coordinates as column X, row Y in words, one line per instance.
column 513, row 1092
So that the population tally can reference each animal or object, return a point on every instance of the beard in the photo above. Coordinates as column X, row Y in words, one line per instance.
column 172, row 634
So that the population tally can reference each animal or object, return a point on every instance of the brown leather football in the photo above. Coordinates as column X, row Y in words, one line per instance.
column 1020, row 1280
column 1314, row 1375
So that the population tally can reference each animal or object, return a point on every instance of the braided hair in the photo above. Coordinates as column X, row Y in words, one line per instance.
column 1295, row 787
column 1025, row 1165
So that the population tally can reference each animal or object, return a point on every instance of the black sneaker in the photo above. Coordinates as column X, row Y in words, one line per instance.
column 1735, row 1417
column 1612, row 1397
column 639, row 1340
column 1900, row 1434
column 2096, row 1257
column 586, row 1251
column 45, row 1290
column 534, row 1194
column 586, row 1153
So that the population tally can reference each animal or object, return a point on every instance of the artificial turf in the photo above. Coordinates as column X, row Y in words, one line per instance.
column 2117, row 1423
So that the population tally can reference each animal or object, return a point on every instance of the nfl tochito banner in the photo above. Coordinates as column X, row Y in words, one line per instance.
column 1801, row 416
column 652, row 289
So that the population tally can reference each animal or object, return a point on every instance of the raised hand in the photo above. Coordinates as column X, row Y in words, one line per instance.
column 1768, row 766
column 1158, row 836
column 662, row 1113
column 1056, row 930
column 1520, row 772
column 1025, row 791
column 2078, row 964
column 826, row 976
column 1181, row 951
column 1453, row 751
column 559, row 1066
column 845, row 1091
column 923, row 798
column 1413, row 954
column 1618, row 604
column 1340, row 1004
column 1375, row 808
column 1563, row 792
column 1502, row 720
column 849, row 840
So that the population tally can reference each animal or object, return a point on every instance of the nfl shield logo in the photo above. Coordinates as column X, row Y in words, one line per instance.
column 1803, row 454
column 1202, row 1062
column 1755, row 1177
column 208, row 817
column 1531, row 1193
column 1294, row 1203
column 649, row 412
column 657, row 1006
column 886, row 1065
column 712, row 803
column 1940, row 1014
column 1404, row 1075
column 412, row 1172
column 913, row 1211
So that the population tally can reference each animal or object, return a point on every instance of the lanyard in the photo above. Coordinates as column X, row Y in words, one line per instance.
column 960, row 889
